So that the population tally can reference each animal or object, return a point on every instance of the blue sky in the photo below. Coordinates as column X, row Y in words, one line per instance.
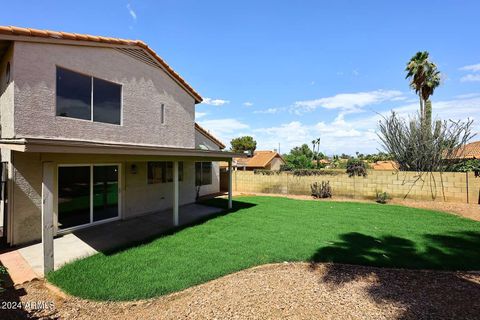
column 290, row 71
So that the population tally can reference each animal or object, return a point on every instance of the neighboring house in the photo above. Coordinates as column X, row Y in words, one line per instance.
column 385, row 165
column 95, row 129
column 267, row 160
column 324, row 162
column 469, row 151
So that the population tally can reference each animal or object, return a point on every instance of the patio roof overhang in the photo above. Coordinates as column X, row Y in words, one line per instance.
column 45, row 145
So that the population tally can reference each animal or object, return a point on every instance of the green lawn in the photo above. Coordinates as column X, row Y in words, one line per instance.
column 262, row 230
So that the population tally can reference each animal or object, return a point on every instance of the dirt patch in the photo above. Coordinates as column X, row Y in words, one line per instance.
column 288, row 291
column 470, row 211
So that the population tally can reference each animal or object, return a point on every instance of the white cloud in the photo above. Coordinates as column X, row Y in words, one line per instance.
column 470, row 78
column 467, row 95
column 199, row 115
column 224, row 125
column 343, row 135
column 226, row 129
column 132, row 13
column 269, row 111
column 248, row 104
column 472, row 67
column 215, row 102
column 347, row 102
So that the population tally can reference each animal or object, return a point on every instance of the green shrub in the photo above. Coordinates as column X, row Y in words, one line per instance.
column 382, row 197
column 356, row 167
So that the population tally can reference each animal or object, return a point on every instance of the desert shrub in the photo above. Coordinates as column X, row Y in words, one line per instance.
column 382, row 197
column 314, row 172
column 356, row 167
column 322, row 190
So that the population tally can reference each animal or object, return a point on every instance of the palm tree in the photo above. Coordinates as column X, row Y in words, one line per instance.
column 424, row 79
column 316, row 142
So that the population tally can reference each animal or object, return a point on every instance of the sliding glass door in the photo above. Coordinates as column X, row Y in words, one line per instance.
column 105, row 192
column 87, row 194
column 73, row 196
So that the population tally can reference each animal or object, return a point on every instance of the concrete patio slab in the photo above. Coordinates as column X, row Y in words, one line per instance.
column 88, row 241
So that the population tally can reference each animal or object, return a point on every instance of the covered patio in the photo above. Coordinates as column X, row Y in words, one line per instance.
column 109, row 236
column 132, row 220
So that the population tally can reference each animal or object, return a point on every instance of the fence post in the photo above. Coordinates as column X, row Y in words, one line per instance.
column 466, row 180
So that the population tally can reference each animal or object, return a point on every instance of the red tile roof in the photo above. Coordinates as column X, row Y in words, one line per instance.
column 58, row 35
column 260, row 159
column 385, row 165
column 469, row 151
column 209, row 136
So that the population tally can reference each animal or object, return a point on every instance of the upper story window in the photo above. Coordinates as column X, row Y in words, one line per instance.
column 85, row 97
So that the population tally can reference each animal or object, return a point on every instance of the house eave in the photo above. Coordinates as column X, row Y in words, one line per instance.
column 45, row 145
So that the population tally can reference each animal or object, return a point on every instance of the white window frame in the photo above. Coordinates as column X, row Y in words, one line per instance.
column 91, row 97
column 201, row 173
column 91, row 223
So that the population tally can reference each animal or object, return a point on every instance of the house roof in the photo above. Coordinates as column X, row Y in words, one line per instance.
column 324, row 161
column 469, row 151
column 260, row 159
column 207, row 134
column 85, row 39
column 385, row 165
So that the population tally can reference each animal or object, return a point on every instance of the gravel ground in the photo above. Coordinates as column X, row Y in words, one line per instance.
column 470, row 211
column 287, row 291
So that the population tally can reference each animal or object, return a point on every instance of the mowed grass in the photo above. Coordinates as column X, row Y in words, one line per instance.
column 263, row 230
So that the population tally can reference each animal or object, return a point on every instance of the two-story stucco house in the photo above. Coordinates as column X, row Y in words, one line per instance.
column 95, row 129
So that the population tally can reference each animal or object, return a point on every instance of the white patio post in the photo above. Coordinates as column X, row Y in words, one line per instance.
column 47, row 216
column 230, row 184
column 175, row 193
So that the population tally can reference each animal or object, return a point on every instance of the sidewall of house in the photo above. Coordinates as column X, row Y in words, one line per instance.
column 201, row 139
column 276, row 163
column 7, row 95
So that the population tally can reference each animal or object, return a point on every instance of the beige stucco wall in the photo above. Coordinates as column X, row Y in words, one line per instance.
column 7, row 95
column 26, row 197
column 143, row 198
column 138, row 196
column 144, row 89
column 201, row 139
column 276, row 163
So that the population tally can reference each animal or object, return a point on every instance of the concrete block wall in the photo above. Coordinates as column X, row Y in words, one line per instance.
column 448, row 186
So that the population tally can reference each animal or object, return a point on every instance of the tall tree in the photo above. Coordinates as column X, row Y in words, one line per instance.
column 414, row 144
column 424, row 79
column 242, row 144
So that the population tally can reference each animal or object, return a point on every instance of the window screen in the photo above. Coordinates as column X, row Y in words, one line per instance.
column 73, row 94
